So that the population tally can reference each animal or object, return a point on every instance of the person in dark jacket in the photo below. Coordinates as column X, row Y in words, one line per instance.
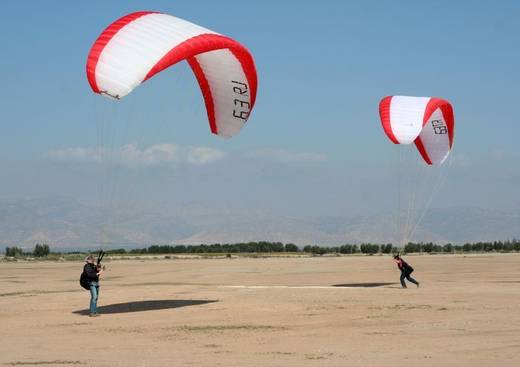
column 406, row 270
column 91, row 273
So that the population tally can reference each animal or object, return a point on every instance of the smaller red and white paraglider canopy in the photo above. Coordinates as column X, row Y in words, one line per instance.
column 426, row 121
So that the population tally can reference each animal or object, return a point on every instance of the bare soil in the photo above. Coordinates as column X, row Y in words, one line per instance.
column 331, row 311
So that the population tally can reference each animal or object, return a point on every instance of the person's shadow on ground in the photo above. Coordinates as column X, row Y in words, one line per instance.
column 152, row 305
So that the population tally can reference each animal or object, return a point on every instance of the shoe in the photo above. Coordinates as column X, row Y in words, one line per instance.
column 417, row 285
column 94, row 315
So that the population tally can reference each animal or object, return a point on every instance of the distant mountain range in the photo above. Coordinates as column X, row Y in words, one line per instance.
column 66, row 223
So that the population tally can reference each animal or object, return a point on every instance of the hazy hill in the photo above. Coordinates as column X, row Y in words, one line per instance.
column 66, row 223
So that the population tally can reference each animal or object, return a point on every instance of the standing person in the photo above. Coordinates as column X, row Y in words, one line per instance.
column 90, row 277
column 406, row 270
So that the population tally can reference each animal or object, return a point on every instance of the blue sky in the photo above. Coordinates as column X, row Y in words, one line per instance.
column 313, row 142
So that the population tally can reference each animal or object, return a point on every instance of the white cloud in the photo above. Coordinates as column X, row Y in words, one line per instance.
column 132, row 156
column 285, row 156
column 204, row 155
column 460, row 160
column 77, row 154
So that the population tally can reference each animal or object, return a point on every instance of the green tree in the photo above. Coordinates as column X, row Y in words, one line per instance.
column 369, row 248
column 41, row 250
column 412, row 247
column 13, row 251
column 317, row 250
column 291, row 247
column 386, row 249
column 466, row 247
column 117, row 251
column 346, row 249
column 516, row 244
column 477, row 247
column 498, row 246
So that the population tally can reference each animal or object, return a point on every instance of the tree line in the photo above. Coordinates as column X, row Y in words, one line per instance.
column 363, row 248
column 243, row 247
column 42, row 250
column 418, row 247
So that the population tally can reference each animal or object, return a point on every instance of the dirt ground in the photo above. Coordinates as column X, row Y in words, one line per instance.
column 332, row 311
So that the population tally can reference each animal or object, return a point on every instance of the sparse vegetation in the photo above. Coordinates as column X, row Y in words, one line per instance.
column 43, row 363
column 217, row 328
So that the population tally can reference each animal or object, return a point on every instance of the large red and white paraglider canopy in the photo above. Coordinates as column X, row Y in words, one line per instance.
column 426, row 121
column 139, row 45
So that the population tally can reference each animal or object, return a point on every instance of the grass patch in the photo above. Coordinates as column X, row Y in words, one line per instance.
column 211, row 346
column 12, row 294
column 43, row 363
column 34, row 293
column 410, row 307
column 219, row 328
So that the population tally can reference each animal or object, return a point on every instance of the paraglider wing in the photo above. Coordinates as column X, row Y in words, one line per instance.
column 139, row 45
column 428, row 122
column 436, row 137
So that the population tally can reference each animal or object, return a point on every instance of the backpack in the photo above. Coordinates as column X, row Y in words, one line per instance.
column 83, row 281
column 407, row 268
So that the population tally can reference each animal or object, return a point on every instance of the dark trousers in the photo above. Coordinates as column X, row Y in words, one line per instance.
column 409, row 278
